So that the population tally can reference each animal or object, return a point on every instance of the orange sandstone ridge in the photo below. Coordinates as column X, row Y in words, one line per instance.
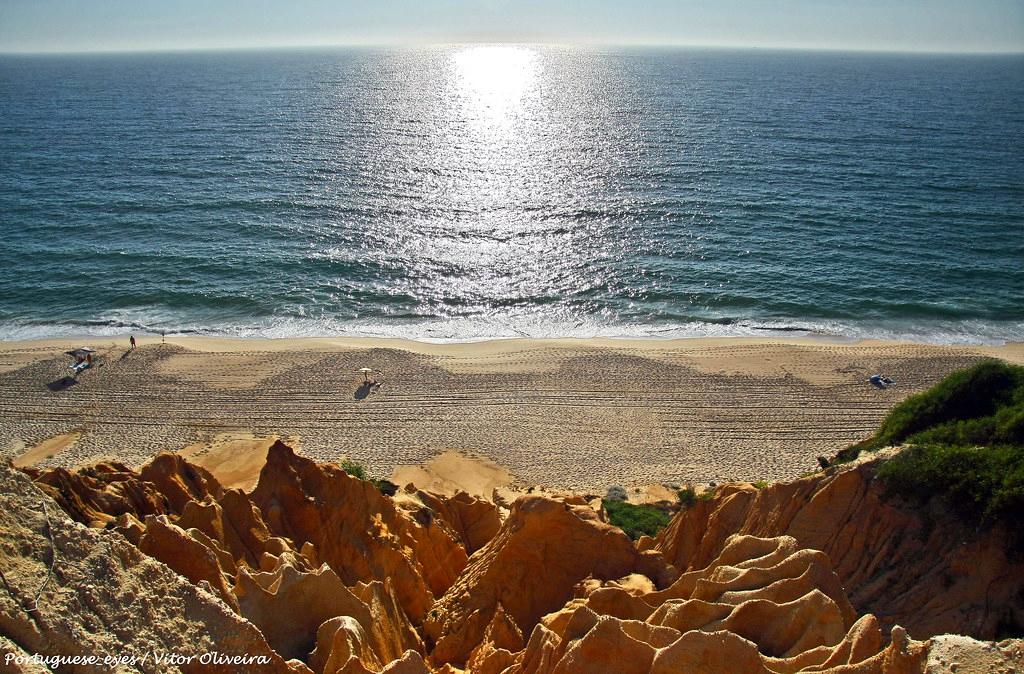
column 316, row 571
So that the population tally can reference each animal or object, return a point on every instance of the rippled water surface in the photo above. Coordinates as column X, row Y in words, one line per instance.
column 479, row 191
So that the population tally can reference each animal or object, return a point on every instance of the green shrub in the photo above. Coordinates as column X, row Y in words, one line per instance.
column 852, row 452
column 386, row 487
column 635, row 520
column 983, row 484
column 687, row 496
column 966, row 437
column 972, row 394
column 760, row 484
column 982, row 405
column 356, row 470
column 353, row 468
column 1006, row 426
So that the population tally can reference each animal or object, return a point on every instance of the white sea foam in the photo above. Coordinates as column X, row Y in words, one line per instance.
column 468, row 329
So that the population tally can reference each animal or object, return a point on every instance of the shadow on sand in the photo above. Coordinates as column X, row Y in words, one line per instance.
column 62, row 384
column 364, row 390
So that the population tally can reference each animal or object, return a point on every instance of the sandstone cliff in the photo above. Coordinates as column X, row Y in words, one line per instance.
column 321, row 572
column 529, row 568
column 918, row 567
column 762, row 606
column 69, row 590
column 356, row 530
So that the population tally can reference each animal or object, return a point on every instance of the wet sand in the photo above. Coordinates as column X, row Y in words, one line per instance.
column 566, row 414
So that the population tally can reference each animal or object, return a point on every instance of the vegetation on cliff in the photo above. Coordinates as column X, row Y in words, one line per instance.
column 966, row 443
column 982, row 483
column 982, row 405
column 636, row 520
column 358, row 471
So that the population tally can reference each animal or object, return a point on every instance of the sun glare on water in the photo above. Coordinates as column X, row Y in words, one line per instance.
column 494, row 81
column 495, row 228
column 493, row 127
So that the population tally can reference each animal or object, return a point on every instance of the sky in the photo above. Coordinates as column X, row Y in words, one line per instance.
column 888, row 25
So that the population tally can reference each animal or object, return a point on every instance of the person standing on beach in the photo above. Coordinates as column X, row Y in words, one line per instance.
column 131, row 340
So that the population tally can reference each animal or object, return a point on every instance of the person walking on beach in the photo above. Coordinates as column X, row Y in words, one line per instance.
column 131, row 340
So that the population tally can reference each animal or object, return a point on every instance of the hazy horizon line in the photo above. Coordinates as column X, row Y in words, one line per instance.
column 407, row 44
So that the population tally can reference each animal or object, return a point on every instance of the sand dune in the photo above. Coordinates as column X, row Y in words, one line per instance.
column 568, row 414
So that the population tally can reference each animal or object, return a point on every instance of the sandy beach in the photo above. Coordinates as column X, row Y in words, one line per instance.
column 565, row 414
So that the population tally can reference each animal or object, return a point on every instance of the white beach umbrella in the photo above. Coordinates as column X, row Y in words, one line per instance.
column 366, row 372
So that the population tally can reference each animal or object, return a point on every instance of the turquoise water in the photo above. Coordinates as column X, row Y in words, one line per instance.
column 467, row 192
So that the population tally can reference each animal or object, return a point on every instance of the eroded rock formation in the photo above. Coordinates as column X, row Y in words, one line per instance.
column 361, row 534
column 763, row 605
column 530, row 568
column 70, row 590
column 472, row 522
column 323, row 573
column 920, row 568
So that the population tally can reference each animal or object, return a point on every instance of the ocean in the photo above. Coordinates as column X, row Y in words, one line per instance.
column 477, row 191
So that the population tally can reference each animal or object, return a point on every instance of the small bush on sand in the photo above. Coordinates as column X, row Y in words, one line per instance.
column 687, row 496
column 635, row 520
column 353, row 468
column 356, row 470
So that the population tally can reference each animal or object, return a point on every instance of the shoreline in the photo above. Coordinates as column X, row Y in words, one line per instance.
column 459, row 330
column 569, row 413
column 220, row 343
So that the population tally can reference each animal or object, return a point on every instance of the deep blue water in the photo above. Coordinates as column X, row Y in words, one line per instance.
column 465, row 192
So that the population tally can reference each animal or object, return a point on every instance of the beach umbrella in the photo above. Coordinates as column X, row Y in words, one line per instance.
column 366, row 372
